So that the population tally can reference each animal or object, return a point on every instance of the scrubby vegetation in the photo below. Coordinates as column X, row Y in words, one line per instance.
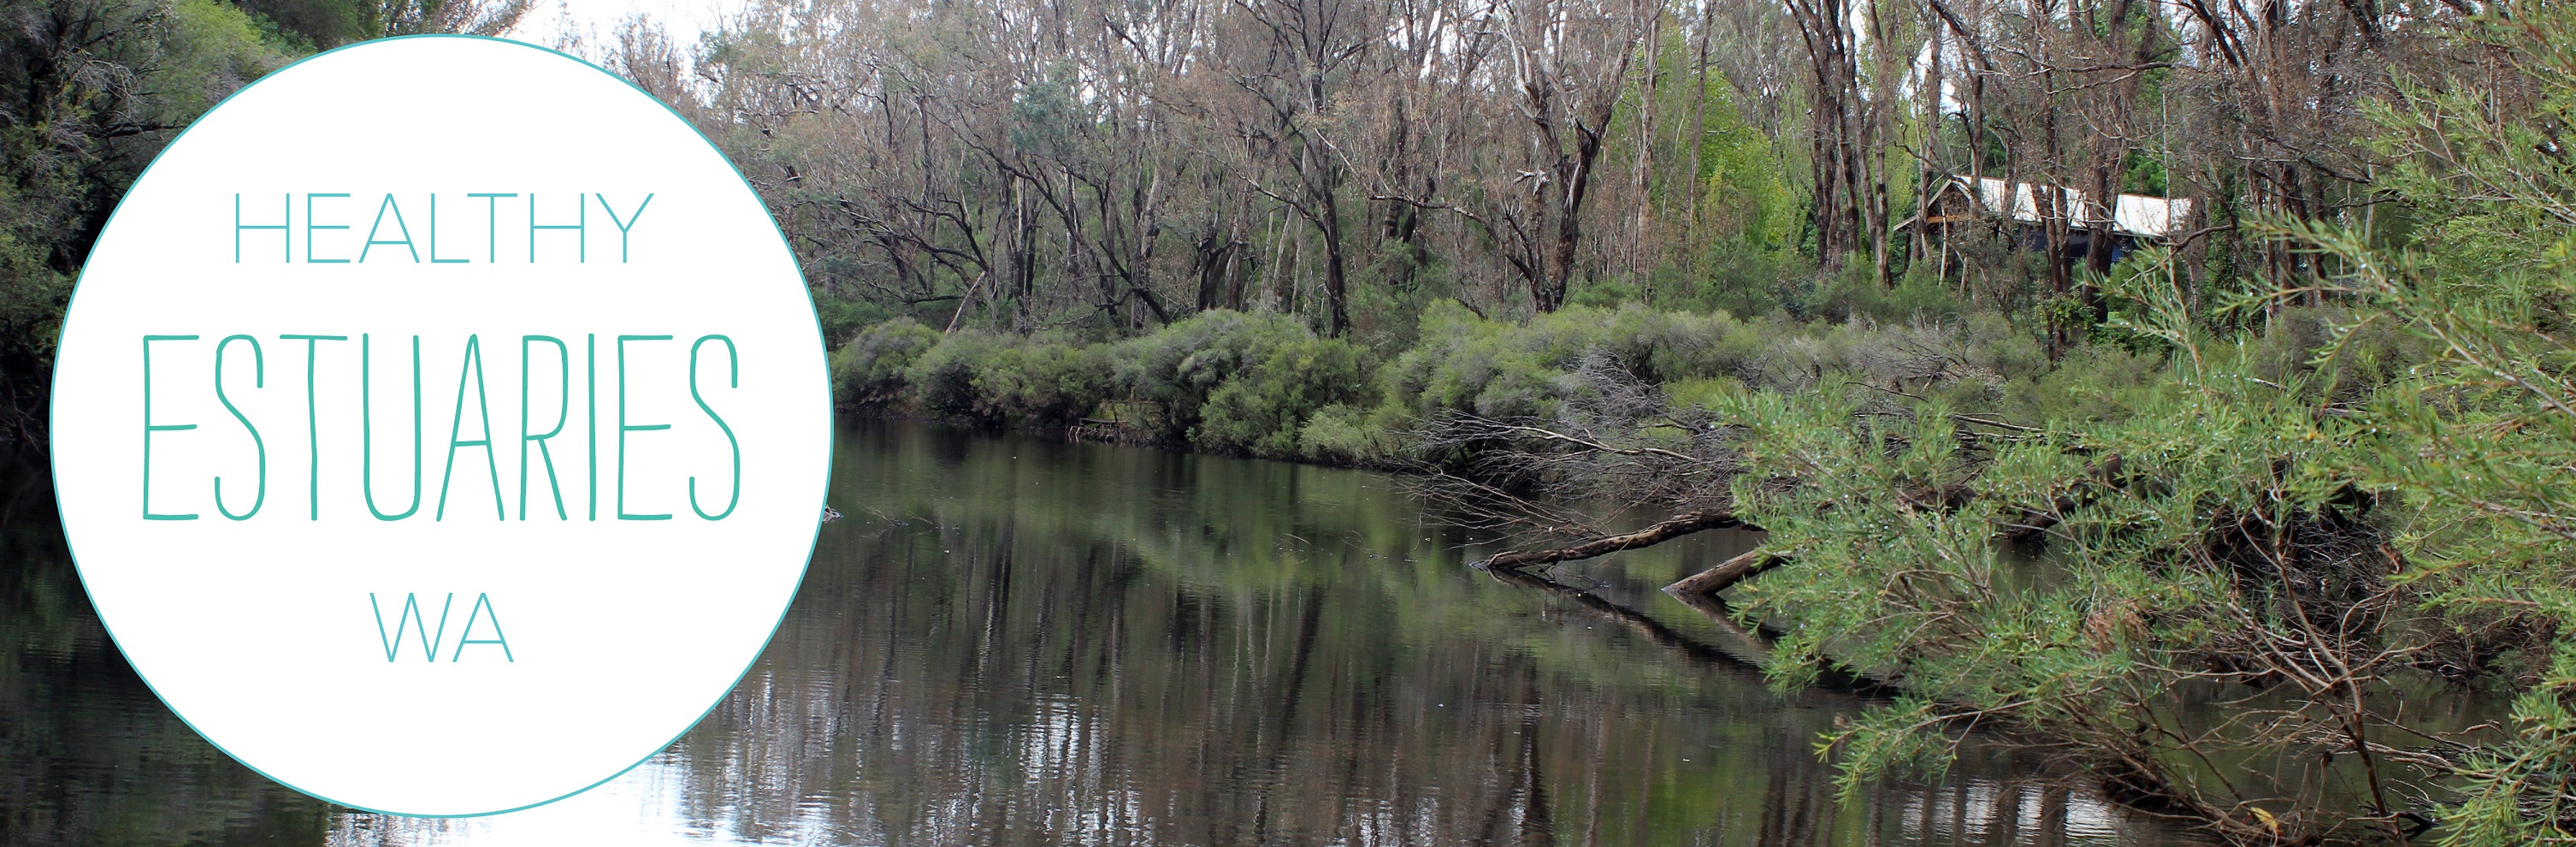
column 1265, row 385
column 1222, row 381
column 2292, row 562
column 2091, row 550
column 2215, row 523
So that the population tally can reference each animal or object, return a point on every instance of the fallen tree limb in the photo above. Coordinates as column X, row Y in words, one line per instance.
column 2030, row 523
column 1751, row 646
column 1666, row 530
column 1741, row 649
column 1747, row 656
column 1589, row 444
column 1725, row 574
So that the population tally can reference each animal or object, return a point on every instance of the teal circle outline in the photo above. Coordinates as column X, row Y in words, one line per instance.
column 831, row 430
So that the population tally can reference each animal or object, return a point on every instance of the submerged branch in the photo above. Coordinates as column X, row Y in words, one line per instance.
column 1725, row 574
column 1666, row 530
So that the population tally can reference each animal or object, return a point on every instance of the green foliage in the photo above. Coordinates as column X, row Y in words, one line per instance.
column 2398, row 436
column 1263, row 409
column 1265, row 384
column 2480, row 437
column 1182, row 365
column 1893, row 514
column 89, row 92
column 943, row 379
column 2363, row 356
column 1388, row 295
column 1497, row 369
column 212, row 49
column 2089, row 384
column 845, row 317
column 1048, row 384
column 1702, row 392
column 1854, row 294
column 32, row 297
column 304, row 26
column 1344, row 434
column 997, row 379
column 1224, row 381
column 1604, row 294
column 1747, row 213
column 871, row 369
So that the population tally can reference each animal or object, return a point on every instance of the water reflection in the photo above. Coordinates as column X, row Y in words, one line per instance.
column 1012, row 641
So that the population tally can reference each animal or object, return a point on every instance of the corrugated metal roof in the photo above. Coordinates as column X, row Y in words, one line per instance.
column 2137, row 215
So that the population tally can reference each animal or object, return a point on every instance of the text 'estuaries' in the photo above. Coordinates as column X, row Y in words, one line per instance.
column 640, row 376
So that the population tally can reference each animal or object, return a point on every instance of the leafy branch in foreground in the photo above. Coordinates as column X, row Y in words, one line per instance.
column 2482, row 439
column 2241, row 576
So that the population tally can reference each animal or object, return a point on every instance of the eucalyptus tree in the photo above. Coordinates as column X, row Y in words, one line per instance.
column 1556, row 75
column 1314, row 50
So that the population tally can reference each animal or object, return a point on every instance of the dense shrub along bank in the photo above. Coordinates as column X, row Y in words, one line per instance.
column 1267, row 385
column 1220, row 381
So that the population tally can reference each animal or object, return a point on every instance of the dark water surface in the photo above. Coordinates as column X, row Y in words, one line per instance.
column 1012, row 641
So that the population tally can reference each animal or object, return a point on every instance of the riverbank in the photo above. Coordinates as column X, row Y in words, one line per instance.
column 2217, row 516
column 1010, row 632
column 1267, row 386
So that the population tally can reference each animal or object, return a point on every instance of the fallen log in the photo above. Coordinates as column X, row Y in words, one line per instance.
column 1748, row 645
column 1726, row 574
column 1742, row 649
column 2029, row 523
column 1749, row 648
column 1666, row 530
column 1747, row 655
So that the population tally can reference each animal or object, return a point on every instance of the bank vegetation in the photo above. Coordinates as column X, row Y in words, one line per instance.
column 2258, row 513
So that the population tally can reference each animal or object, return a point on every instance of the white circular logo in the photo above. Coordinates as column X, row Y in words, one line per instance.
column 440, row 426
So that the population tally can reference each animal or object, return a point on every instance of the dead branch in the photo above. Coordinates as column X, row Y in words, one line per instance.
column 1670, row 528
column 1725, row 574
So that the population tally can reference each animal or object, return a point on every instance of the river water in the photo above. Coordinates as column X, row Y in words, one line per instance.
column 1016, row 641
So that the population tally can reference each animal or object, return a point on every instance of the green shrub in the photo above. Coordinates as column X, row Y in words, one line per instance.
column 2308, row 342
column 1262, row 409
column 1496, row 369
column 1252, row 383
column 943, row 379
column 1226, row 381
column 2095, row 382
column 869, row 371
column 1855, row 294
column 1746, row 281
column 1604, row 294
column 1995, row 347
column 846, row 317
column 1181, row 365
column 1344, row 434
column 1043, row 382
column 1703, row 392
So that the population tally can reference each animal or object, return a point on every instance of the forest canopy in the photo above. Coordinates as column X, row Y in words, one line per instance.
column 1110, row 167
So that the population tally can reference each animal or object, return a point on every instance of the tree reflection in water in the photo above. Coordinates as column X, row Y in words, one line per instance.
column 1013, row 641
